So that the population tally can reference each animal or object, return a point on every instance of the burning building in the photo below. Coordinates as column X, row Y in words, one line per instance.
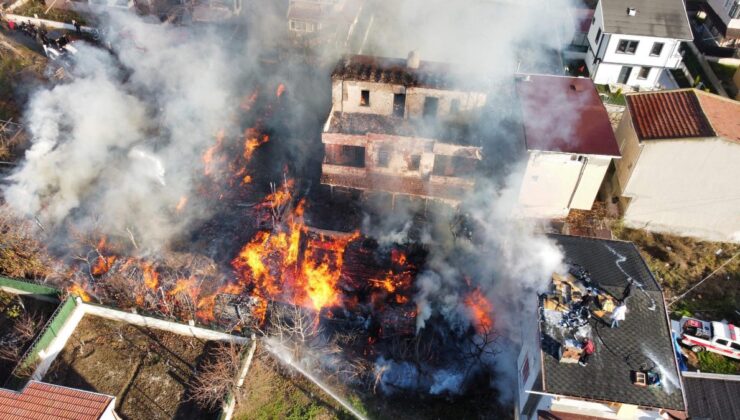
column 632, row 370
column 401, row 127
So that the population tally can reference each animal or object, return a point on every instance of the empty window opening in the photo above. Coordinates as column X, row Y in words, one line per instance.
column 598, row 35
column 453, row 166
column 430, row 106
column 627, row 47
column 365, row 98
column 644, row 73
column 384, row 157
column 455, row 106
column 657, row 49
column 337, row 154
column 414, row 162
column 399, row 104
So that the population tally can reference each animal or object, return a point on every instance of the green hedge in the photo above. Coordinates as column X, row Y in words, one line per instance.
column 17, row 380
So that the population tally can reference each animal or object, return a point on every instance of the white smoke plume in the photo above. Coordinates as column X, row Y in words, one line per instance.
column 120, row 142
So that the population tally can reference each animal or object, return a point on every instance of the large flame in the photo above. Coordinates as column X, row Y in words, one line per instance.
column 273, row 265
column 480, row 310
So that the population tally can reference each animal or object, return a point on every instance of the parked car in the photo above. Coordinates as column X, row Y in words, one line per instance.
column 717, row 337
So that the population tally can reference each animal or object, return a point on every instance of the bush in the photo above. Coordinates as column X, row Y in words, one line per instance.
column 714, row 363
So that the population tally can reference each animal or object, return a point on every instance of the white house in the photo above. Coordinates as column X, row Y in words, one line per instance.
column 570, row 144
column 632, row 373
column 632, row 42
column 679, row 170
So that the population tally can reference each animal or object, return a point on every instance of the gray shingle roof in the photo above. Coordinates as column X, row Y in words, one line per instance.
column 659, row 18
column 711, row 396
column 642, row 341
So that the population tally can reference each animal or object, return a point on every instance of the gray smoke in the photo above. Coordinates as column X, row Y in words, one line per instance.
column 121, row 141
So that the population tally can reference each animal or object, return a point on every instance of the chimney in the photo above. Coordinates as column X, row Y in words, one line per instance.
column 413, row 61
column 631, row 11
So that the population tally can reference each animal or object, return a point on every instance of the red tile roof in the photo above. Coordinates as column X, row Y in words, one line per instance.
column 668, row 114
column 565, row 114
column 723, row 114
column 41, row 401
column 684, row 113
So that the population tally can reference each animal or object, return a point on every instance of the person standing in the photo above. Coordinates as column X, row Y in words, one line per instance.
column 588, row 349
column 619, row 314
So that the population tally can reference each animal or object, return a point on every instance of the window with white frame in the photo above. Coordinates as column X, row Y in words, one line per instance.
column 657, row 49
column 627, row 46
column 644, row 73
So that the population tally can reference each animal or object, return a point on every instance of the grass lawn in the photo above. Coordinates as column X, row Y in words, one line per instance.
column 37, row 7
column 715, row 363
column 616, row 98
column 725, row 73
column 272, row 392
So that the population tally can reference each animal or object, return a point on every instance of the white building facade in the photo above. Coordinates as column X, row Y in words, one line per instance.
column 618, row 55
column 681, row 183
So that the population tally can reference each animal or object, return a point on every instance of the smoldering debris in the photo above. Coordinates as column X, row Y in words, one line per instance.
column 116, row 147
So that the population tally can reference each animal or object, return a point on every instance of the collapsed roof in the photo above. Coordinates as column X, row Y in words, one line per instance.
column 396, row 71
column 642, row 341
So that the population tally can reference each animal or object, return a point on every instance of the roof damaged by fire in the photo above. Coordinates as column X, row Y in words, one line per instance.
column 630, row 365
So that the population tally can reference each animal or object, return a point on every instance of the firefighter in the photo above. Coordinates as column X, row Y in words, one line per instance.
column 587, row 350
column 619, row 314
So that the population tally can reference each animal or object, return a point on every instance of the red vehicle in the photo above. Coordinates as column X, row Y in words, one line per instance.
column 717, row 337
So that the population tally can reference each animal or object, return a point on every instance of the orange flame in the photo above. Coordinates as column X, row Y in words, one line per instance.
column 253, row 140
column 150, row 276
column 77, row 290
column 249, row 101
column 102, row 265
column 181, row 203
column 480, row 310
column 273, row 264
column 209, row 154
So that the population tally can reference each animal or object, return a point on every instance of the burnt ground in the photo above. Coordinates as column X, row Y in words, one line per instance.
column 41, row 311
column 147, row 370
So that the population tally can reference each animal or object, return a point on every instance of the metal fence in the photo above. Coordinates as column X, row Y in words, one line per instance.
column 30, row 287
column 19, row 376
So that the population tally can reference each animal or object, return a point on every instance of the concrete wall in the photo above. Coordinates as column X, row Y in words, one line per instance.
column 48, row 354
column 668, row 58
column 607, row 73
column 530, row 352
column 346, row 97
column 629, row 146
column 401, row 149
column 687, row 187
column 551, row 179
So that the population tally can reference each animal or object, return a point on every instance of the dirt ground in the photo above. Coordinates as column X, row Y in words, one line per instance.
column 272, row 392
column 148, row 370
column 12, row 309
column 678, row 263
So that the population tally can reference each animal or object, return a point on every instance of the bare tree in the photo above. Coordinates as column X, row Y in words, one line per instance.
column 294, row 328
column 218, row 377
